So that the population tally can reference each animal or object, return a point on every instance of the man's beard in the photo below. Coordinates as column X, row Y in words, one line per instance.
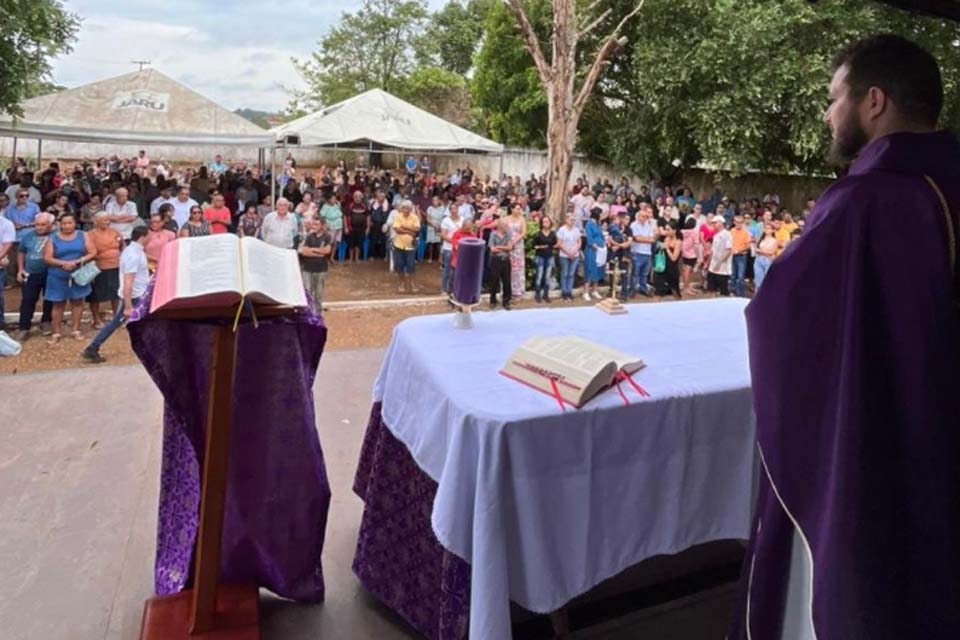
column 848, row 140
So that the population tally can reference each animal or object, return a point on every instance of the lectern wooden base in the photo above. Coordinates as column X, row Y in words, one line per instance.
column 235, row 618
column 611, row 306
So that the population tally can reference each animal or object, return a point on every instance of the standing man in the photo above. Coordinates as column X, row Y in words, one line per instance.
column 122, row 213
column 32, row 274
column 280, row 227
column 314, row 255
column 500, row 244
column 181, row 206
column 22, row 214
column 721, row 257
column 741, row 240
column 644, row 233
column 855, row 384
column 134, row 277
column 162, row 199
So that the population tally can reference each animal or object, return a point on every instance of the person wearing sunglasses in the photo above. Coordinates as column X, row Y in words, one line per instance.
column 195, row 226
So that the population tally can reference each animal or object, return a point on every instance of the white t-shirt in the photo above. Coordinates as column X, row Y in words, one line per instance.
column 466, row 211
column 278, row 231
column 181, row 210
column 722, row 245
column 646, row 229
column 128, row 209
column 134, row 260
column 158, row 202
column 448, row 227
column 569, row 239
column 8, row 233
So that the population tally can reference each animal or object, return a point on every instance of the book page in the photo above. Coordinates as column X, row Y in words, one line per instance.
column 624, row 361
column 580, row 355
column 272, row 272
column 208, row 264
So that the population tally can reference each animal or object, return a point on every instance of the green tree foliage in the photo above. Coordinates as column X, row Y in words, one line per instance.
column 31, row 32
column 453, row 34
column 371, row 48
column 735, row 84
column 507, row 93
column 439, row 91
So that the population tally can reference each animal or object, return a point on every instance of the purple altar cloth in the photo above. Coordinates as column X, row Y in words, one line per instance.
column 398, row 557
column 277, row 493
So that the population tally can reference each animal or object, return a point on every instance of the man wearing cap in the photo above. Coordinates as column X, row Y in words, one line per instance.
column 163, row 198
column 721, row 257
column 854, row 344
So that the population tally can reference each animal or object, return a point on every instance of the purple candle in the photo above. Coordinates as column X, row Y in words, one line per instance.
column 469, row 274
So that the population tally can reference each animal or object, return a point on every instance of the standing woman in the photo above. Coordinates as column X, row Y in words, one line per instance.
column 249, row 223
column 592, row 272
column 544, row 244
column 568, row 242
column 379, row 212
column 668, row 281
column 690, row 238
column 435, row 214
column 518, row 272
column 66, row 252
column 333, row 214
column 108, row 244
column 195, row 226
column 357, row 226
column 766, row 251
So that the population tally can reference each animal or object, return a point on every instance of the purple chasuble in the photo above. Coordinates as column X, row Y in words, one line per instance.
column 855, row 362
column 277, row 492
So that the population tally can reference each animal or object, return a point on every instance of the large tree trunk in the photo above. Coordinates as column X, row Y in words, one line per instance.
column 561, row 138
column 564, row 102
column 562, row 116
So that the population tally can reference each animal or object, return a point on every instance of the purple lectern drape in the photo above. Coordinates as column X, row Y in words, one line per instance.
column 277, row 494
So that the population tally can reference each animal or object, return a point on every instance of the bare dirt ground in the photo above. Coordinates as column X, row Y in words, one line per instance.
column 349, row 327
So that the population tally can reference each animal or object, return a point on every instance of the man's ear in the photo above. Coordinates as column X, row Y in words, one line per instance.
column 876, row 102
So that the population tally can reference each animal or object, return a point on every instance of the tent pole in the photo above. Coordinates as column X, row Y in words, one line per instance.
column 500, row 177
column 39, row 153
column 273, row 176
column 13, row 159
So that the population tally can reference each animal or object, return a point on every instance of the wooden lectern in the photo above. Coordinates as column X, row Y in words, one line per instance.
column 210, row 610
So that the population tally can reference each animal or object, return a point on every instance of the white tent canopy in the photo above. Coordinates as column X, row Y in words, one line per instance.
column 143, row 107
column 376, row 117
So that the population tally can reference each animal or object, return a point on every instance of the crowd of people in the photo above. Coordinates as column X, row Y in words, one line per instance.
column 647, row 239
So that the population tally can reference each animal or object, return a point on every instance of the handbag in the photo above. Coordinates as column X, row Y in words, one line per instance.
column 601, row 256
column 660, row 262
column 85, row 274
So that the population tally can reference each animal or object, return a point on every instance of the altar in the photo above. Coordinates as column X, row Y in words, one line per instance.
column 479, row 491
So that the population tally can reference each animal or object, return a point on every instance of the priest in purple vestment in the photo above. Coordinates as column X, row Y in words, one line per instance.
column 855, row 360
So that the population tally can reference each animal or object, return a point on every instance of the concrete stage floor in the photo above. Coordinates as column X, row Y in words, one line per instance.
column 79, row 473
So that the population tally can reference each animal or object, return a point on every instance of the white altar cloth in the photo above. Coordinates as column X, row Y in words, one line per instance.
column 544, row 505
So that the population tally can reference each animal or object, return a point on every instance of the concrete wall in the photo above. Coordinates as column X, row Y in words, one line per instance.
column 793, row 190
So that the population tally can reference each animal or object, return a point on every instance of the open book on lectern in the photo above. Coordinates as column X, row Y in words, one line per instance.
column 221, row 270
column 571, row 369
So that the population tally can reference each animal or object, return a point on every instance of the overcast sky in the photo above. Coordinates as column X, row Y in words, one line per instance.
column 236, row 53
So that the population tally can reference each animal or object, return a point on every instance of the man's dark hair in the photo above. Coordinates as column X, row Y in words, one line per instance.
column 137, row 233
column 905, row 71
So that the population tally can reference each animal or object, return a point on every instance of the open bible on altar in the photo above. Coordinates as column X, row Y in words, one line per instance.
column 222, row 270
column 568, row 368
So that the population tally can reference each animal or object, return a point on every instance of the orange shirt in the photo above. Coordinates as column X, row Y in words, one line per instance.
column 741, row 240
column 218, row 219
column 108, row 243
